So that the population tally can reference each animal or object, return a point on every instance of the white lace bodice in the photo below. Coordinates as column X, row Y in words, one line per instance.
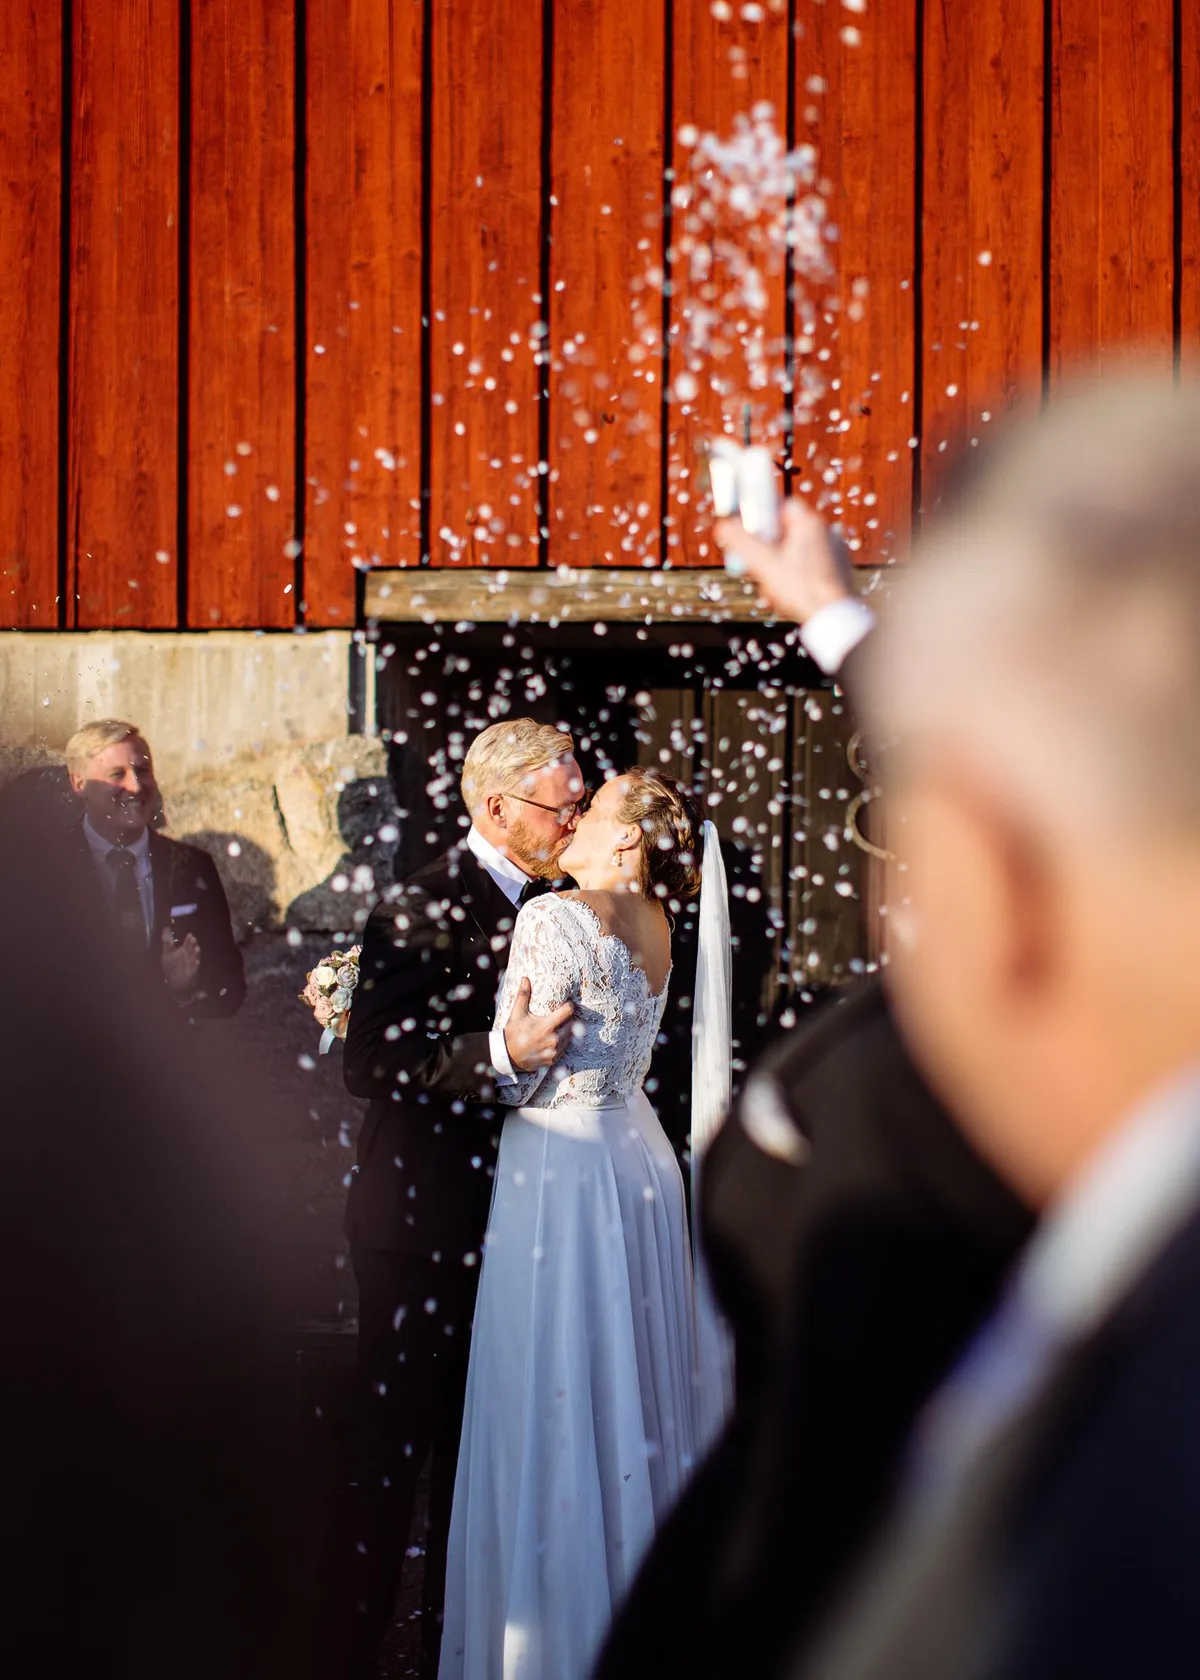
column 560, row 945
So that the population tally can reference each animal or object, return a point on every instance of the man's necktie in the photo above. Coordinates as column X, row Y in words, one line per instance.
column 532, row 889
column 127, row 900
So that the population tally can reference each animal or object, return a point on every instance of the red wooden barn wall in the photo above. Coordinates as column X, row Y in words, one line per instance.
column 293, row 287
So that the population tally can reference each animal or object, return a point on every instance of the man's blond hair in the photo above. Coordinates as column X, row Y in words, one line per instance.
column 505, row 754
column 94, row 737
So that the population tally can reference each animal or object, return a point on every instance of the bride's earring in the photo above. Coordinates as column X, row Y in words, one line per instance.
column 618, row 860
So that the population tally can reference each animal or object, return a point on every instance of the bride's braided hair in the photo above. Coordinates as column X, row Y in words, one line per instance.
column 671, row 820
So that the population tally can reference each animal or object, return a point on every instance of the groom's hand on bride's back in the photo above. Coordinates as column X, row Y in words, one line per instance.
column 535, row 1041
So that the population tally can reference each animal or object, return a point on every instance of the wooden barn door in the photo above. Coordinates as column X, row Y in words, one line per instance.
column 776, row 775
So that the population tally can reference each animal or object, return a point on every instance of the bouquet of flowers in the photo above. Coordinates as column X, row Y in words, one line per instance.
column 329, row 992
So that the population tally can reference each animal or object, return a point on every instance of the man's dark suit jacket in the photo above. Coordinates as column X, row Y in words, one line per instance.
column 1071, row 1551
column 417, row 1046
column 851, row 1281
column 189, row 898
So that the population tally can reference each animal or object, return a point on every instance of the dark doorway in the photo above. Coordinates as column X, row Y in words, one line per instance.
column 740, row 714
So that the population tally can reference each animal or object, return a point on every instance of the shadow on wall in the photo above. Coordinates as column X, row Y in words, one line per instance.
column 247, row 873
column 43, row 799
column 341, row 903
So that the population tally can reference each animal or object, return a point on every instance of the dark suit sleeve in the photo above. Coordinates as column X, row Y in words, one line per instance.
column 400, row 1031
column 221, row 982
column 853, row 669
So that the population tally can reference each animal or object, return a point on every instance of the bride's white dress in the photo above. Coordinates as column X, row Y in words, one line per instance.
column 580, row 1428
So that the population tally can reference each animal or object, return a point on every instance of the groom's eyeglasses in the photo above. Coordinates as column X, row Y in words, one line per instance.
column 564, row 813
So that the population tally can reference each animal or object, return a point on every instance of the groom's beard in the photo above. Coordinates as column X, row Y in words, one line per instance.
column 534, row 855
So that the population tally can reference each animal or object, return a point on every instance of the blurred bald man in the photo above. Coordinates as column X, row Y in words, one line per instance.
column 1041, row 680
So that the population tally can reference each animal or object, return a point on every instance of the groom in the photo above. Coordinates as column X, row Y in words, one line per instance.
column 420, row 1045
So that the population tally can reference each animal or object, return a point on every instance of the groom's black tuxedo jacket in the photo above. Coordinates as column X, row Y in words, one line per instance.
column 417, row 1046
column 189, row 898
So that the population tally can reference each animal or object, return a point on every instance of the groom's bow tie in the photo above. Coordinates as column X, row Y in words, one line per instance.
column 532, row 889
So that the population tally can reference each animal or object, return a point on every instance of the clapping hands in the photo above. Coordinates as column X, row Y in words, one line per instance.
column 180, row 962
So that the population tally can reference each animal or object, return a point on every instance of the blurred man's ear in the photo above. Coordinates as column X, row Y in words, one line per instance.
column 996, row 891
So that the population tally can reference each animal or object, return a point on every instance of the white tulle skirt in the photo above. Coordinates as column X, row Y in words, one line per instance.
column 579, row 1431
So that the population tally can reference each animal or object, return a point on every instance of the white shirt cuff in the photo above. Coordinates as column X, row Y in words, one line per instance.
column 498, row 1051
column 833, row 633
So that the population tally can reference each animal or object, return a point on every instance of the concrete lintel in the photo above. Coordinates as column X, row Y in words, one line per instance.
column 613, row 595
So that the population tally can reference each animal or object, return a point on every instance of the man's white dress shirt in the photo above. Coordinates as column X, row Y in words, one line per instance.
column 512, row 881
column 831, row 635
column 102, row 851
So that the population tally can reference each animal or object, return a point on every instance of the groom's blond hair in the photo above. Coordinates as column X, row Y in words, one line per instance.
column 500, row 759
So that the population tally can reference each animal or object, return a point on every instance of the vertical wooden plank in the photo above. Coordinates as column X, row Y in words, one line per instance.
column 487, row 314
column 1188, row 231
column 857, row 102
column 666, row 732
column 607, row 181
column 827, row 912
column 363, row 328
column 124, row 315
column 30, row 213
column 1112, row 211
column 746, row 762
column 982, row 271
column 724, row 67
column 241, row 384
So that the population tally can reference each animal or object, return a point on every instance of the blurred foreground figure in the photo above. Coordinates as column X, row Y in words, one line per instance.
column 1042, row 677
column 856, row 1241
column 146, row 1534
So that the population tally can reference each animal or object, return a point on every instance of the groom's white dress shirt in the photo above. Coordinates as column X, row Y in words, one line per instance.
column 512, row 881
column 102, row 851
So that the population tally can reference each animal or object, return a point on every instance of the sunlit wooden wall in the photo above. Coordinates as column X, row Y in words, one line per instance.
column 287, row 287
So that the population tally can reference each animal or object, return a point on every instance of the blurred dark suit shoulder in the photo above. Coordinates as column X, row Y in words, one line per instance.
column 854, row 1257
column 1071, row 1553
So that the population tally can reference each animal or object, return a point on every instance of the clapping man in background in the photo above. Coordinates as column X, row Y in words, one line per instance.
column 167, row 909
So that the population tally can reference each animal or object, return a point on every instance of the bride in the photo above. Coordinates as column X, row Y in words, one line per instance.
column 584, row 1412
